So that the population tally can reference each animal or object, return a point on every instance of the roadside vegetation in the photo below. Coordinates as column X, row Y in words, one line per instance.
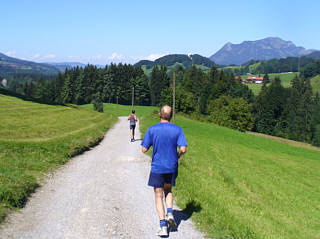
column 237, row 185
column 37, row 138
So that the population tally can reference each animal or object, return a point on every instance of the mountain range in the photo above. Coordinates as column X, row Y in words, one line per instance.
column 229, row 54
column 14, row 65
column 62, row 66
column 11, row 64
column 264, row 49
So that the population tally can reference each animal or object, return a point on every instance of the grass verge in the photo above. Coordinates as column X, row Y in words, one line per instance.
column 36, row 139
column 237, row 185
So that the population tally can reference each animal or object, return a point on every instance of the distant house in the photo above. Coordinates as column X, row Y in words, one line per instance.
column 258, row 80
column 249, row 79
column 255, row 79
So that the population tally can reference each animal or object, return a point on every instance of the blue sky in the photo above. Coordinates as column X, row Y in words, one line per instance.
column 106, row 31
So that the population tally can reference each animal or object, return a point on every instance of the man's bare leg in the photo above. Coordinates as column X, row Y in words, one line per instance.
column 168, row 195
column 169, row 203
column 159, row 202
column 131, row 134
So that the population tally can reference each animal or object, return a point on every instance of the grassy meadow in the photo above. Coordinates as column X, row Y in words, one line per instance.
column 235, row 185
column 37, row 138
column 124, row 110
column 285, row 80
column 239, row 185
column 315, row 83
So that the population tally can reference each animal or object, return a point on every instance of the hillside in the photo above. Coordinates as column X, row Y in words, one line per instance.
column 315, row 83
column 284, row 77
column 62, row 66
column 148, row 64
column 285, row 81
column 14, row 65
column 314, row 55
column 244, row 186
column 37, row 138
column 175, row 60
column 185, row 60
column 265, row 49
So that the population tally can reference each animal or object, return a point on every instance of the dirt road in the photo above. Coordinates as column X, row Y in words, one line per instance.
column 102, row 193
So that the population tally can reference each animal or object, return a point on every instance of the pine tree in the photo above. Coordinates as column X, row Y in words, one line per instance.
column 159, row 82
column 266, row 79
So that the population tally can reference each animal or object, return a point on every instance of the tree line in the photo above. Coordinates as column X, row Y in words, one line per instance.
column 215, row 96
column 78, row 85
column 307, row 66
column 292, row 113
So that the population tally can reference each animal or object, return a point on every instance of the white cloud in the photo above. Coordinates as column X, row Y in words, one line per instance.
column 97, row 57
column 150, row 57
column 10, row 53
column 50, row 56
column 36, row 56
column 74, row 57
column 153, row 57
column 116, row 56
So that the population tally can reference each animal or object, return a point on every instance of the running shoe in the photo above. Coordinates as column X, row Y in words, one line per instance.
column 163, row 231
column 172, row 223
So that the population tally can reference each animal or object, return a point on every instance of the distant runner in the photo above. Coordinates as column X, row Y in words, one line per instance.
column 164, row 137
column 133, row 119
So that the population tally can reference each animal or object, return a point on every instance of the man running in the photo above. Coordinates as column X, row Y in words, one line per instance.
column 164, row 137
column 133, row 118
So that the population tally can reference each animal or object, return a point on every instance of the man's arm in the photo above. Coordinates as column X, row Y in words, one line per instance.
column 183, row 150
column 144, row 149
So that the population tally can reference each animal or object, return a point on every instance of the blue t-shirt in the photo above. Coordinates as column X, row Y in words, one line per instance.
column 164, row 137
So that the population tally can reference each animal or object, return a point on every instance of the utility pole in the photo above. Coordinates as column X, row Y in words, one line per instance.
column 132, row 100
column 299, row 66
column 117, row 105
column 174, row 97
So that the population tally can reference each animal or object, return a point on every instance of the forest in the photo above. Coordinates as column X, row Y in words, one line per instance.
column 215, row 96
column 307, row 66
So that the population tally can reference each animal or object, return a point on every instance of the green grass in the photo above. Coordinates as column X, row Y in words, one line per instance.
column 124, row 110
column 285, row 80
column 244, row 186
column 146, row 71
column 315, row 83
column 253, row 67
column 37, row 138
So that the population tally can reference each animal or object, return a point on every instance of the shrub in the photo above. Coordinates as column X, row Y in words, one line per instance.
column 230, row 112
column 97, row 102
column 98, row 106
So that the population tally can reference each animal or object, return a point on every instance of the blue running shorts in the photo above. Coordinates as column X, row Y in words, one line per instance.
column 132, row 127
column 157, row 180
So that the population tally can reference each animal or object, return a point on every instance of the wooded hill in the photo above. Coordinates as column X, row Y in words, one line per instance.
column 170, row 60
column 13, row 65
column 308, row 66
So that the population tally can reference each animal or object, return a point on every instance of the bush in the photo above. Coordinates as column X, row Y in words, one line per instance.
column 230, row 112
column 98, row 106
column 316, row 136
column 97, row 102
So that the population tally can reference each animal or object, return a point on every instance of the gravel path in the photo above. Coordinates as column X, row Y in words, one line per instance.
column 102, row 193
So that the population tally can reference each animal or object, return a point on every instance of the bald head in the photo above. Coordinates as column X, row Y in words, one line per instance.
column 166, row 112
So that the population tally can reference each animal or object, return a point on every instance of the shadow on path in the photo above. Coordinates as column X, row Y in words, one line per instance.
column 185, row 214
